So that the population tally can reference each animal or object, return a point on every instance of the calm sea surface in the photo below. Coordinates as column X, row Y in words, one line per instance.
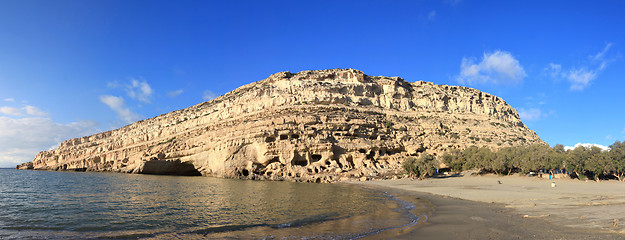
column 83, row 205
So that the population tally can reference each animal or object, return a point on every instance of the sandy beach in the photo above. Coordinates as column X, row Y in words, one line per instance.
column 515, row 207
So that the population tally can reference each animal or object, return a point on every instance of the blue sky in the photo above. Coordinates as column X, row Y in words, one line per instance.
column 73, row 68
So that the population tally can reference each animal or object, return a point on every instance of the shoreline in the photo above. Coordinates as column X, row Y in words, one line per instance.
column 479, row 207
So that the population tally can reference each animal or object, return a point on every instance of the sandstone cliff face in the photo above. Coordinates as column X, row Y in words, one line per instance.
column 317, row 126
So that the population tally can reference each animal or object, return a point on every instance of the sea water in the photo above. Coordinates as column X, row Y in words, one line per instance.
column 87, row 205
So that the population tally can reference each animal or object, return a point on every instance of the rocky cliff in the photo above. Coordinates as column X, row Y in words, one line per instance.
column 317, row 126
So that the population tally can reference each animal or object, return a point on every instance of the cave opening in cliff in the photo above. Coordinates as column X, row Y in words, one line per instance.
column 169, row 167
column 300, row 162
column 315, row 157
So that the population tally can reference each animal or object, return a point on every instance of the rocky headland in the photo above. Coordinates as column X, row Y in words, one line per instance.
column 313, row 126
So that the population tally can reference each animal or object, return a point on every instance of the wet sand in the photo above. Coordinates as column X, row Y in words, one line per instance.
column 511, row 207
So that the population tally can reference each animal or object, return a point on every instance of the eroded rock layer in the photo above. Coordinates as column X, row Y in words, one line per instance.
column 317, row 126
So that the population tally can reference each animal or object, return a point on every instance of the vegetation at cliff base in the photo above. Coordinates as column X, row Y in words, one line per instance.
column 581, row 162
column 420, row 167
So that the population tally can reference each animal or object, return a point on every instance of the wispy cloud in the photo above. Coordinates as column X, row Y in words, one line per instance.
column 9, row 99
column 453, row 3
column 26, row 110
column 11, row 111
column 113, row 84
column 600, row 56
column 431, row 15
column 208, row 95
column 117, row 105
column 534, row 108
column 582, row 77
column 34, row 111
column 499, row 67
column 531, row 114
column 139, row 90
column 22, row 138
column 554, row 70
column 174, row 94
column 536, row 99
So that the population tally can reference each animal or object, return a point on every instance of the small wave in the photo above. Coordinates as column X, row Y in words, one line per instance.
column 307, row 221
column 226, row 228
column 292, row 224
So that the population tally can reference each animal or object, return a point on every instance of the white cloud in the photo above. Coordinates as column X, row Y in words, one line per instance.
column 587, row 145
column 530, row 114
column 599, row 58
column 21, row 139
column 499, row 67
column 431, row 15
column 26, row 110
column 34, row 111
column 208, row 95
column 135, row 89
column 555, row 70
column 139, row 90
column 11, row 111
column 174, row 94
column 117, row 105
column 580, row 78
column 9, row 99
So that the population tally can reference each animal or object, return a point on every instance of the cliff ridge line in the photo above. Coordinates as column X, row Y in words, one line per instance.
column 314, row 126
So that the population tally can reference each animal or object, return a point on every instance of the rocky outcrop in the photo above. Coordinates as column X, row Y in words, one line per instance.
column 317, row 126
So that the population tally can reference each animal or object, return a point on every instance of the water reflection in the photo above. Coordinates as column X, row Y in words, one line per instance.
column 67, row 204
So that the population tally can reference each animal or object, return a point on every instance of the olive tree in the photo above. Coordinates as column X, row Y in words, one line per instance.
column 420, row 167
column 616, row 160
column 454, row 160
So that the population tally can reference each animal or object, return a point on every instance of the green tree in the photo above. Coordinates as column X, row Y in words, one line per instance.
column 469, row 156
column 559, row 148
column 581, row 162
column 576, row 161
column 557, row 157
column 484, row 160
column 454, row 160
column 420, row 167
column 596, row 162
column 616, row 160
column 524, row 161
column 503, row 160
